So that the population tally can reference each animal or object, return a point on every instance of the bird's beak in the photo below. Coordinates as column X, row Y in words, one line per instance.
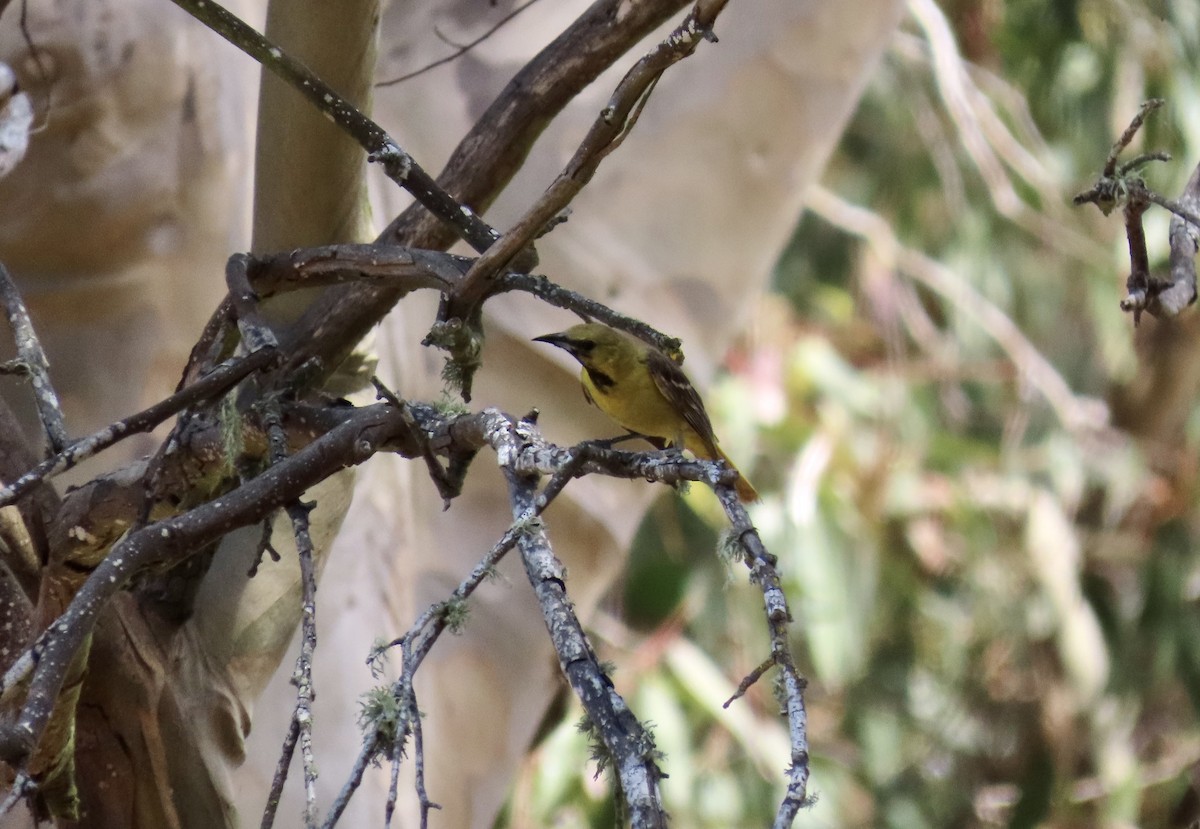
column 561, row 340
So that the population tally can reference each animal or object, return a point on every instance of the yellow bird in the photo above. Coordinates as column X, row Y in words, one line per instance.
column 644, row 391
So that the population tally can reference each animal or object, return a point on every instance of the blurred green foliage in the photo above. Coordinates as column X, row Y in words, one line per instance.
column 997, row 600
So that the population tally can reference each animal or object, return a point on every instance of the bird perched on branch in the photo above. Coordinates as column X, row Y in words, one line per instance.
column 644, row 391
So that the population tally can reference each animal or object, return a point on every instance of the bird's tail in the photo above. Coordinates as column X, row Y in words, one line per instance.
column 709, row 450
column 745, row 490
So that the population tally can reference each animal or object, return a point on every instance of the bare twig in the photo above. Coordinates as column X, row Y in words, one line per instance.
column 302, row 677
column 281, row 773
column 415, row 645
column 448, row 486
column 264, row 547
column 1138, row 285
column 389, row 806
column 33, row 357
column 749, row 680
column 1118, row 147
column 21, row 787
column 1110, row 188
column 366, row 756
column 1139, row 161
column 459, row 50
column 419, row 761
column 589, row 309
column 1185, row 208
column 254, row 330
column 256, row 334
column 764, row 574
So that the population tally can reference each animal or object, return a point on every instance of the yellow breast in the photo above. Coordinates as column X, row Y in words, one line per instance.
column 636, row 404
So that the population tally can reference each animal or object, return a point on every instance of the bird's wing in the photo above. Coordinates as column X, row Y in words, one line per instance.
column 682, row 395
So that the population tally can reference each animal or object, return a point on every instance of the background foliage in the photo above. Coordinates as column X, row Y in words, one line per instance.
column 996, row 588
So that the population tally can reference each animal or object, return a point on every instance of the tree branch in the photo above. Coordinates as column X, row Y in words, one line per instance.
column 459, row 51
column 765, row 576
column 32, row 361
column 629, row 744
column 354, row 435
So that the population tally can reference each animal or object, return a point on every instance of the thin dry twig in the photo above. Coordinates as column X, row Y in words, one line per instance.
column 281, row 773
column 589, row 309
column 448, row 484
column 628, row 743
column 425, row 804
column 389, row 806
column 765, row 576
column 749, row 680
column 33, row 360
column 459, row 50
column 302, row 677
column 22, row 787
column 1118, row 147
column 415, row 646
column 1111, row 188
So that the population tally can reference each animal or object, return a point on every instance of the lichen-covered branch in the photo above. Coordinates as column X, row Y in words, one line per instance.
column 629, row 745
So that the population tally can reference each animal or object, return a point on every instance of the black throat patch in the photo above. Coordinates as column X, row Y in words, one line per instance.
column 601, row 381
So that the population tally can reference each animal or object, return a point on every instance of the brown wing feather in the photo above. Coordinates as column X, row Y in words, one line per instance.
column 682, row 395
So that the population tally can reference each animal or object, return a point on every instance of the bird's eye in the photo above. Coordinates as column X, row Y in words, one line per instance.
column 585, row 345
